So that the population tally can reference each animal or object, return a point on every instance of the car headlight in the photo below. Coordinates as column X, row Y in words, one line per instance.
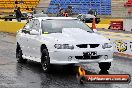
column 63, row 46
column 106, row 45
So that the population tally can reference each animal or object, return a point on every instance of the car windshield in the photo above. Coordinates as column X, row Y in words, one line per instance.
column 56, row 26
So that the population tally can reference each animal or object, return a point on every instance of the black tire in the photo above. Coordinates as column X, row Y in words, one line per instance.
column 97, row 22
column 10, row 19
column 19, row 55
column 104, row 66
column 82, row 80
column 45, row 60
column 69, row 66
column 6, row 19
column 84, row 20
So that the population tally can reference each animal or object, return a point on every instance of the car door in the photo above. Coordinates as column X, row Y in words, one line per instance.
column 34, row 44
column 23, row 39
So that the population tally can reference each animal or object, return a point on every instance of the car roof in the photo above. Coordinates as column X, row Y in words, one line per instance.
column 40, row 15
column 56, row 18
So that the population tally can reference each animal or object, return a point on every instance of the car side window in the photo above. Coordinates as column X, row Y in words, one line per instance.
column 36, row 25
column 31, row 24
column 27, row 28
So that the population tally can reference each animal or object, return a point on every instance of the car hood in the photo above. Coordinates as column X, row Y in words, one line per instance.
column 76, row 36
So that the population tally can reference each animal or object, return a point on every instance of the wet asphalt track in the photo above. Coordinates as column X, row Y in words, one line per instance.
column 30, row 75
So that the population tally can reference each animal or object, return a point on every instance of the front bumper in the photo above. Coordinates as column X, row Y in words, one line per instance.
column 69, row 56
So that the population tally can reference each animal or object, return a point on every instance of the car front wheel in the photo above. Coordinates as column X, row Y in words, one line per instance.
column 19, row 55
column 104, row 66
column 45, row 60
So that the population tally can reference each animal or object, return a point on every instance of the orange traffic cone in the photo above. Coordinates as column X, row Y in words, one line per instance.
column 94, row 25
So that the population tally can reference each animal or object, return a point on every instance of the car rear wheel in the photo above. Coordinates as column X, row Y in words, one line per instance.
column 45, row 60
column 19, row 55
column 104, row 66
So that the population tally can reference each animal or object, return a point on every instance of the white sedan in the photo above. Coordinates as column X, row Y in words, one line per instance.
column 63, row 41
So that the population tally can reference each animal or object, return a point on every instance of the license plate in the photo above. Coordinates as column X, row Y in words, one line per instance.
column 90, row 53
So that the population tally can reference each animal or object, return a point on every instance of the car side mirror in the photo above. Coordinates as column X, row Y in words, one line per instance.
column 27, row 27
column 34, row 32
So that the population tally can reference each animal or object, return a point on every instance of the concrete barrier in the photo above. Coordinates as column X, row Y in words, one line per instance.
column 99, row 26
column 11, row 27
column 108, row 20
